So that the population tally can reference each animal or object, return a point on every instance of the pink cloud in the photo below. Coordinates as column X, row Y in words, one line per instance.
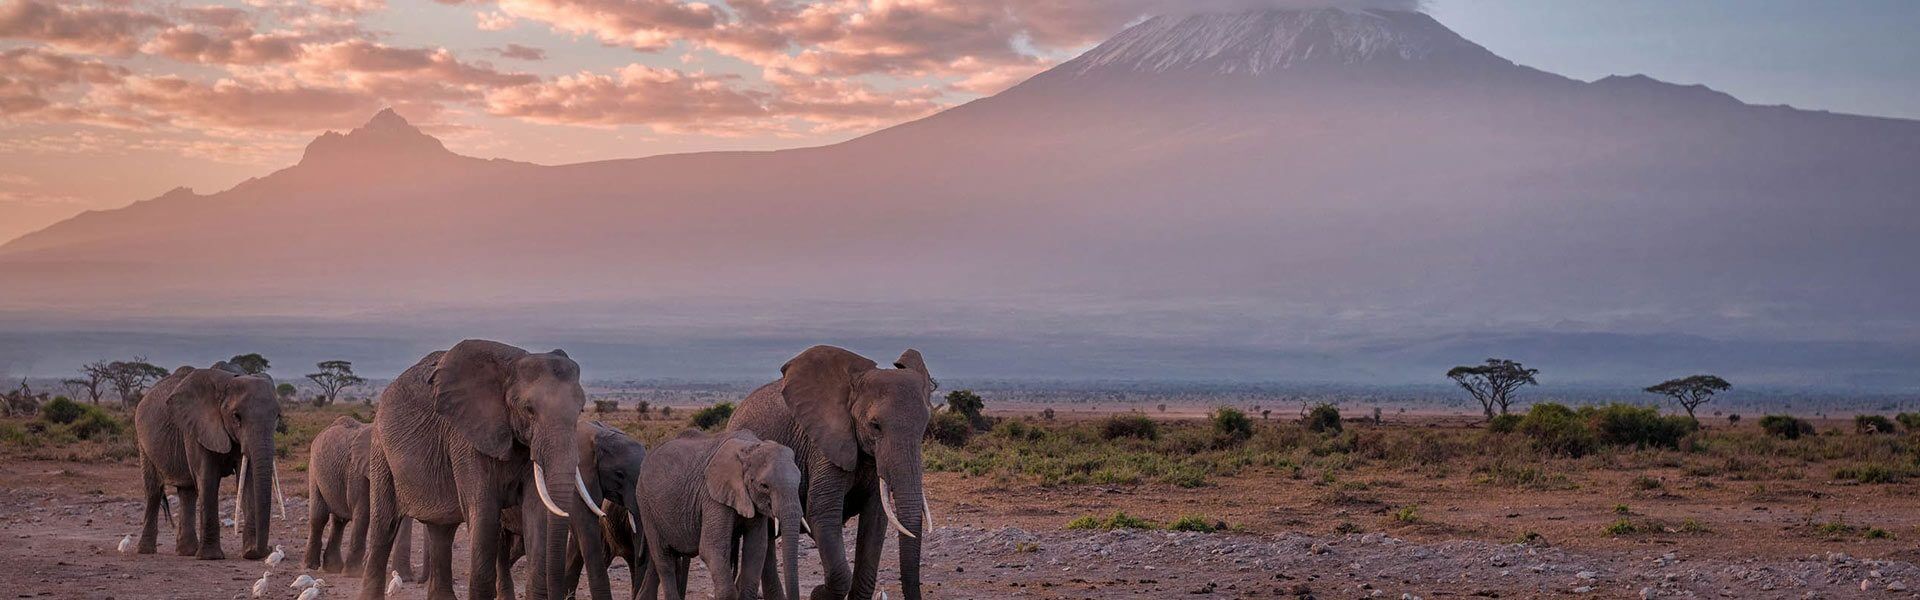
column 100, row 30
column 637, row 94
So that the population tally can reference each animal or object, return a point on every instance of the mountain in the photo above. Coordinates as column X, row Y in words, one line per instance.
column 1306, row 194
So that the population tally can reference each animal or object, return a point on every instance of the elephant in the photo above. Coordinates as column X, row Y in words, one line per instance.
column 195, row 427
column 610, row 462
column 465, row 434
column 337, row 495
column 856, row 430
column 718, row 497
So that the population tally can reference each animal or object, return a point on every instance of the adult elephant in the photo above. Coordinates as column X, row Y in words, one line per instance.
column 196, row 427
column 855, row 429
column 610, row 463
column 337, row 496
column 465, row 434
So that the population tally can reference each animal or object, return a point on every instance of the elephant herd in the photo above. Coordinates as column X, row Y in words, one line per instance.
column 490, row 436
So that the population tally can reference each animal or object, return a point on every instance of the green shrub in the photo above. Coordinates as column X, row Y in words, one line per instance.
column 1324, row 418
column 62, row 411
column 1874, row 473
column 1130, row 426
column 94, row 424
column 1734, row 418
column 1911, row 421
column 1638, row 426
column 969, row 405
column 1872, row 424
column 1197, row 524
column 1504, row 423
column 1622, row 527
column 1232, row 425
column 1556, row 429
column 1119, row 520
column 606, row 406
column 713, row 416
column 1786, row 426
column 950, row 428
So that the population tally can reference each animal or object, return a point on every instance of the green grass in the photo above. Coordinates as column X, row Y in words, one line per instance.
column 1119, row 520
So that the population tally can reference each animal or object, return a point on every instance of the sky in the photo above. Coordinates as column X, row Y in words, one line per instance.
column 107, row 102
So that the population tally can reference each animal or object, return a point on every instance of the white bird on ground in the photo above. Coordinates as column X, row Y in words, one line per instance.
column 273, row 560
column 126, row 544
column 393, row 582
column 260, row 587
column 312, row 593
column 303, row 581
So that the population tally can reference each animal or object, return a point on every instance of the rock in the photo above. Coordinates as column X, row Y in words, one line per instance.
column 1897, row 586
column 1586, row 575
column 1583, row 589
column 1646, row 593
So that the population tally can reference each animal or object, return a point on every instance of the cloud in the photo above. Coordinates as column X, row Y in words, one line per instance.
column 100, row 30
column 636, row 95
column 639, row 24
column 493, row 21
column 239, row 46
column 519, row 52
column 235, row 103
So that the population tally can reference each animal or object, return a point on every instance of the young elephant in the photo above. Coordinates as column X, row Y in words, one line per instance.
column 337, row 495
column 707, row 496
column 195, row 427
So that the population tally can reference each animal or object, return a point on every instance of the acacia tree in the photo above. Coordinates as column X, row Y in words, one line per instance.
column 1691, row 392
column 130, row 378
column 251, row 364
column 93, row 381
column 334, row 375
column 1493, row 383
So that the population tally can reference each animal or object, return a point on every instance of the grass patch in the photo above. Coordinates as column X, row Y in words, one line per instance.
column 1119, row 520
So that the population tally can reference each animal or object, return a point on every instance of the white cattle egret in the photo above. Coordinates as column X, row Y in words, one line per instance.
column 393, row 582
column 273, row 560
column 303, row 581
column 126, row 544
column 312, row 593
column 260, row 587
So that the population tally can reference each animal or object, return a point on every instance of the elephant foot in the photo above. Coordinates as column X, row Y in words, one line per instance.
column 186, row 549
column 822, row 592
column 253, row 555
column 147, row 548
column 210, row 552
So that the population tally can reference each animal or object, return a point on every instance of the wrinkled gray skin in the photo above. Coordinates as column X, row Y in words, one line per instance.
column 710, row 496
column 337, row 495
column 456, row 441
column 194, row 426
column 851, row 424
column 609, row 463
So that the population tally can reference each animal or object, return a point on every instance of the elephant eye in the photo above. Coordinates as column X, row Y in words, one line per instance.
column 875, row 424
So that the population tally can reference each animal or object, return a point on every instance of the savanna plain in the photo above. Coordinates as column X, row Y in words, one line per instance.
column 1146, row 501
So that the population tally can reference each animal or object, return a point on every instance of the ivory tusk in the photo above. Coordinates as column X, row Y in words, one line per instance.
column 886, row 504
column 239, row 493
column 540, row 485
column 926, row 514
column 631, row 524
column 278, row 493
column 804, row 528
column 586, row 497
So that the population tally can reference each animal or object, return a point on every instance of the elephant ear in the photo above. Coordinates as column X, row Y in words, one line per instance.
column 727, row 476
column 470, row 391
column 818, row 388
column 197, row 408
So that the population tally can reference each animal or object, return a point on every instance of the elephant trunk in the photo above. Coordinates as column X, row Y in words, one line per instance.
column 794, row 520
column 904, row 498
column 258, row 494
column 556, row 459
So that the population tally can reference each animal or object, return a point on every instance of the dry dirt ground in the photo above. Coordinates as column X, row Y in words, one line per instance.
column 60, row 522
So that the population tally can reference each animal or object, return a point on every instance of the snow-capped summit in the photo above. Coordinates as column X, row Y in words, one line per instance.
column 1261, row 42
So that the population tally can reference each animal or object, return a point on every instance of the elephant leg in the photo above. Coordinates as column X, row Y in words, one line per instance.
column 383, row 518
column 403, row 553
column 664, row 564
column 209, row 479
column 867, row 548
column 156, row 496
column 333, row 563
column 510, row 552
column 533, row 540
column 753, row 558
column 317, row 516
column 575, row 564
column 440, row 561
column 590, row 549
column 770, row 571
column 828, row 531
column 716, row 549
column 186, row 537
column 680, row 569
column 356, row 560
column 483, row 522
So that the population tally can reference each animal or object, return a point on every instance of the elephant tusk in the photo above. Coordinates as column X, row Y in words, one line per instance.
column 278, row 493
column 631, row 524
column 804, row 528
column 540, row 485
column 886, row 504
column 586, row 497
column 926, row 514
column 776, row 527
column 239, row 492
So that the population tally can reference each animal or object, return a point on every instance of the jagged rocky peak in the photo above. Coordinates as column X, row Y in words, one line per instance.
column 384, row 137
column 1276, row 40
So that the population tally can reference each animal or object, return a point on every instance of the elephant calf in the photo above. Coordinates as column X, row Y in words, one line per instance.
column 337, row 495
column 707, row 496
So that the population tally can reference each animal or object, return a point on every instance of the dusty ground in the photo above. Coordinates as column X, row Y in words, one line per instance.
column 60, row 522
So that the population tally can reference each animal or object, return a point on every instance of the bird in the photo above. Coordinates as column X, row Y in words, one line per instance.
column 393, row 582
column 126, row 544
column 260, row 587
column 303, row 581
column 312, row 593
column 273, row 560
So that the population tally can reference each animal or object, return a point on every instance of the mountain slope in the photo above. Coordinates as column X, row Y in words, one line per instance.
column 1286, row 182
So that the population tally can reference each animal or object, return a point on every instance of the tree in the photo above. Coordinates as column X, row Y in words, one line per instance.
column 285, row 391
column 1691, row 392
column 130, row 378
column 1493, row 383
column 969, row 405
column 251, row 364
column 92, row 381
column 334, row 376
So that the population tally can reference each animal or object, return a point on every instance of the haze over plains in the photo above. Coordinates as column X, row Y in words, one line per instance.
column 1262, row 192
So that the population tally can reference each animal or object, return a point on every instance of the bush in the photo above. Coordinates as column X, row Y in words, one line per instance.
column 1197, row 524
column 62, row 411
column 1047, row 414
column 95, row 423
column 1130, row 426
column 606, row 406
column 1734, row 418
column 1786, row 426
column 1639, row 426
column 1504, row 424
column 1556, row 429
column 1232, row 425
column 969, row 405
column 1324, row 418
column 950, row 428
column 713, row 416
column 1119, row 520
column 1911, row 421
column 1872, row 424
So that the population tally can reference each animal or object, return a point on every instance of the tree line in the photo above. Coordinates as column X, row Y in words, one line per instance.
column 1494, row 385
column 129, row 379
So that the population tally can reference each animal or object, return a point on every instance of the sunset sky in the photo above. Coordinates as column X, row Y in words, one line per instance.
column 105, row 102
